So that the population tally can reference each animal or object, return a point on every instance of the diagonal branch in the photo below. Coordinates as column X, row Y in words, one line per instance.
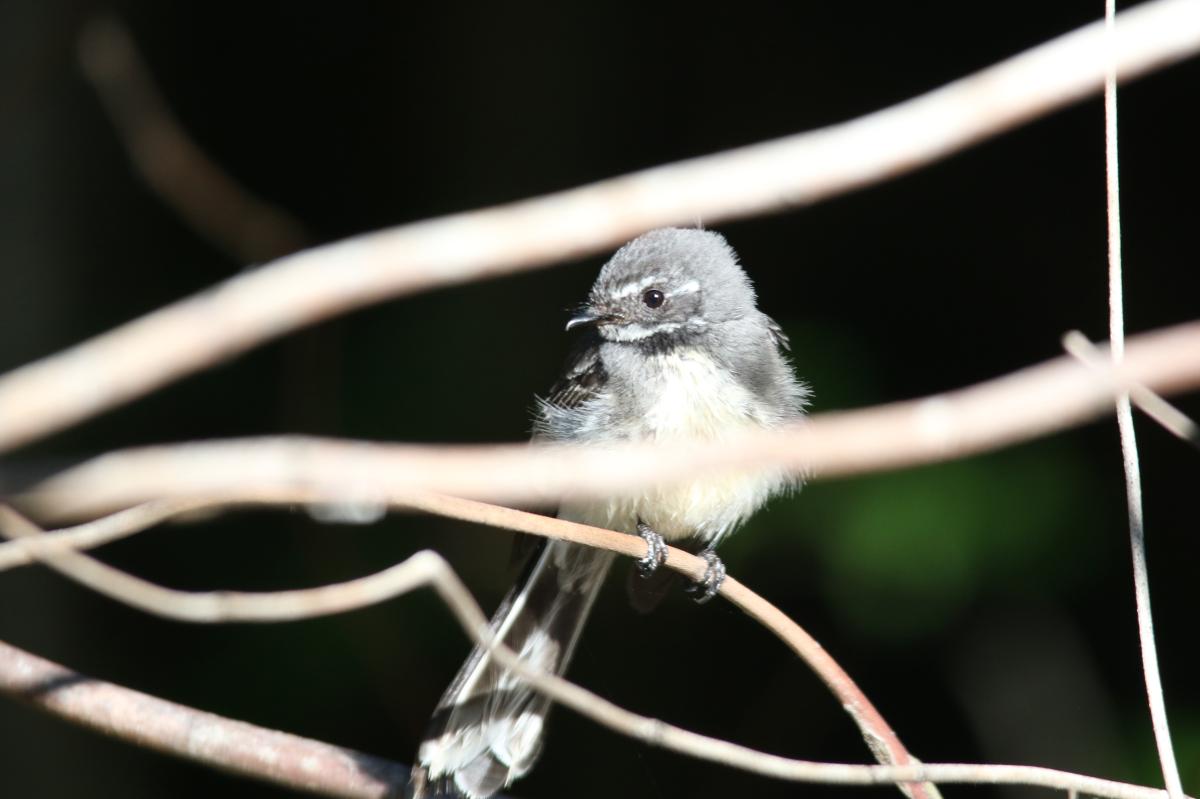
column 428, row 569
column 1151, row 404
column 1023, row 405
column 227, row 606
column 300, row 289
column 204, row 195
column 23, row 551
column 174, row 729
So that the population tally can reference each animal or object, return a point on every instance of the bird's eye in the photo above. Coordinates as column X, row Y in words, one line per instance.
column 653, row 298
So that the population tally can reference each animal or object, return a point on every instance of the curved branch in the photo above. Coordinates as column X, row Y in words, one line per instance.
column 55, row 550
column 205, row 196
column 429, row 569
column 1023, row 405
column 23, row 551
column 300, row 289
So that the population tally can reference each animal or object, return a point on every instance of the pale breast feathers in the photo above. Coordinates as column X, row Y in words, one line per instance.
column 680, row 395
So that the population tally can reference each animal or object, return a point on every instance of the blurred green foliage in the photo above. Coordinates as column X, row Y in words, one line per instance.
column 984, row 605
column 907, row 553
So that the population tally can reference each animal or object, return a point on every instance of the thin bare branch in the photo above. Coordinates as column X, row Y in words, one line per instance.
column 185, row 732
column 881, row 739
column 231, row 606
column 217, row 606
column 1020, row 406
column 1129, row 451
column 207, row 198
column 234, row 316
column 23, row 551
column 428, row 569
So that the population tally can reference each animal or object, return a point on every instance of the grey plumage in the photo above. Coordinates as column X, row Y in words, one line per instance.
column 487, row 728
column 674, row 349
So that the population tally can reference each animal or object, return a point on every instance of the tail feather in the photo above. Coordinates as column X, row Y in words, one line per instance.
column 487, row 729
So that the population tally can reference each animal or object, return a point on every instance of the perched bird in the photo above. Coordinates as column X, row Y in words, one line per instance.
column 674, row 348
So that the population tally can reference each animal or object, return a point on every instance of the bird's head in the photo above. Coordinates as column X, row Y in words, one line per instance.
column 671, row 283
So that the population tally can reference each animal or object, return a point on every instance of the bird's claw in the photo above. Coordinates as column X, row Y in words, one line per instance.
column 709, row 585
column 656, row 550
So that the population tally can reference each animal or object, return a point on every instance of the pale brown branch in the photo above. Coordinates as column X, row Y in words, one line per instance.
column 23, row 551
column 427, row 568
column 217, row 606
column 1023, row 405
column 300, row 289
column 881, row 739
column 204, row 195
column 1154, row 406
column 185, row 732
column 233, row 606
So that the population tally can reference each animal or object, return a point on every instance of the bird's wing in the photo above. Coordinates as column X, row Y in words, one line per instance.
column 778, row 336
column 583, row 375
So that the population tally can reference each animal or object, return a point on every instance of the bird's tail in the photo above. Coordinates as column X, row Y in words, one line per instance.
column 487, row 729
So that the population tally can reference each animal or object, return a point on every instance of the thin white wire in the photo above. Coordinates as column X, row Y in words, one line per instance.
column 1129, row 452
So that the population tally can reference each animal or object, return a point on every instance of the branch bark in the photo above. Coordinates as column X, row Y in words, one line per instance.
column 1020, row 406
column 168, row 727
column 300, row 289
column 174, row 729
column 55, row 550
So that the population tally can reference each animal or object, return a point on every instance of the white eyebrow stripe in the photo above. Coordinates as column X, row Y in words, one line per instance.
column 689, row 287
column 636, row 332
column 634, row 288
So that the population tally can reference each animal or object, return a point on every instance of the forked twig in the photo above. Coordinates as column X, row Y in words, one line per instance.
column 23, row 551
column 428, row 569
column 231, row 606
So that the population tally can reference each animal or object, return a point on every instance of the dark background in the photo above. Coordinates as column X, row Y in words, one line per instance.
column 984, row 605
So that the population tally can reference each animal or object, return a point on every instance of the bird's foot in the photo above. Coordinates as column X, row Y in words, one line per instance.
column 656, row 550
column 714, row 574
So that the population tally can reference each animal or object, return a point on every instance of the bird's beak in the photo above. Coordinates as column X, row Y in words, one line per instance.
column 588, row 316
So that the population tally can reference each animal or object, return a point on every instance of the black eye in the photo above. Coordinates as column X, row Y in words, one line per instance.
column 653, row 298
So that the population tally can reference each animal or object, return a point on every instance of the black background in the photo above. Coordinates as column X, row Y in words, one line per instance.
column 985, row 605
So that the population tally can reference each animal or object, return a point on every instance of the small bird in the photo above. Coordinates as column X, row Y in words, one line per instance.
column 674, row 349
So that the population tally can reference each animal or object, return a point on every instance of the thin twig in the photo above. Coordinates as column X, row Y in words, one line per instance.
column 1020, row 406
column 233, row 746
column 1133, row 478
column 429, row 569
column 121, row 524
column 247, row 227
column 216, row 606
column 234, row 316
column 225, row 606
column 881, row 739
column 1150, row 403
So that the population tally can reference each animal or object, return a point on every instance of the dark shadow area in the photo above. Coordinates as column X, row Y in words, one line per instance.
column 985, row 605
